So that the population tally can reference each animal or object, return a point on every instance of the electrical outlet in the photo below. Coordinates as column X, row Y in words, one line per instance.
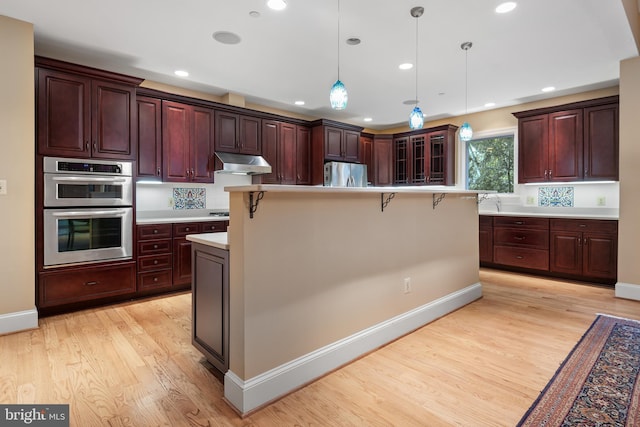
column 170, row 201
column 407, row 285
column 601, row 201
column 530, row 200
column 3, row 187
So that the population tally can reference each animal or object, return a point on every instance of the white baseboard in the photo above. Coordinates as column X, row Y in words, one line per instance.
column 18, row 321
column 253, row 393
column 628, row 291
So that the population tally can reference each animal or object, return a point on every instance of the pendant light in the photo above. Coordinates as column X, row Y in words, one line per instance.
column 338, row 95
column 416, row 118
column 466, row 133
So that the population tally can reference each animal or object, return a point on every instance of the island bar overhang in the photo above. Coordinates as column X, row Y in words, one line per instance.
column 317, row 277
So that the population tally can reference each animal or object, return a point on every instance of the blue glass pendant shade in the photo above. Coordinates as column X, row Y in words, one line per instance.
column 466, row 133
column 338, row 96
column 416, row 119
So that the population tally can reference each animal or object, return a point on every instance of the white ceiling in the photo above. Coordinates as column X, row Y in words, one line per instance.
column 292, row 55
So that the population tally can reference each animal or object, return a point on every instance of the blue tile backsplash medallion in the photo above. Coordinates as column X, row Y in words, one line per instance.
column 561, row 197
column 189, row 198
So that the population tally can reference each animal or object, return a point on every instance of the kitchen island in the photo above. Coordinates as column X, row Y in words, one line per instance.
column 320, row 276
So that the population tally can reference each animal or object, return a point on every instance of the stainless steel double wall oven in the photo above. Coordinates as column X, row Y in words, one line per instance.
column 88, row 214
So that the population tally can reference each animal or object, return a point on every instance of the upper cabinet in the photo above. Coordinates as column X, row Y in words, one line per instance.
column 570, row 142
column 332, row 141
column 425, row 157
column 236, row 133
column 187, row 142
column 285, row 146
column 84, row 112
column 149, row 138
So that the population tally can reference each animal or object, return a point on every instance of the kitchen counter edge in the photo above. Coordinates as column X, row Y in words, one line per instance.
column 610, row 217
column 216, row 240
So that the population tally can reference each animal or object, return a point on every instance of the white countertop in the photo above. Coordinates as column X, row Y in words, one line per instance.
column 177, row 215
column 217, row 240
column 577, row 213
column 427, row 189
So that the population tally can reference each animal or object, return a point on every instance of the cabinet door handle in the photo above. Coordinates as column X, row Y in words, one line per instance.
column 95, row 146
column 158, row 172
column 546, row 174
column 86, row 146
column 91, row 283
column 550, row 173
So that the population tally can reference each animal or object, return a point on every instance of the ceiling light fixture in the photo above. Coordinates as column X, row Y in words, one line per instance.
column 506, row 7
column 466, row 133
column 548, row 89
column 299, row 102
column 181, row 73
column 405, row 66
column 276, row 4
column 490, row 104
column 416, row 118
column 338, row 96
column 367, row 119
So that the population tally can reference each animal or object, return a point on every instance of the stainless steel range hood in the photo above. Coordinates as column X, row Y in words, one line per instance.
column 241, row 164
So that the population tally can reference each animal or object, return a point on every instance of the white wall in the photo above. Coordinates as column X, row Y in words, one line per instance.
column 17, row 142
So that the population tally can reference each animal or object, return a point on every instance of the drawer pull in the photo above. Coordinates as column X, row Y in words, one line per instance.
column 186, row 229
column 91, row 283
column 155, row 231
column 518, row 237
column 519, row 222
column 519, row 257
column 155, row 279
column 155, row 246
column 583, row 225
column 155, row 261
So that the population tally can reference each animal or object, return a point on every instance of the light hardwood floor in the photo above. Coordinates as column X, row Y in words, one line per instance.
column 133, row 364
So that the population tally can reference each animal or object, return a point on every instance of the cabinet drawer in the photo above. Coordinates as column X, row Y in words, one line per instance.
column 593, row 225
column 154, row 231
column 182, row 229
column 521, row 222
column 521, row 257
column 154, row 279
column 214, row 227
column 85, row 284
column 538, row 239
column 154, row 262
column 154, row 247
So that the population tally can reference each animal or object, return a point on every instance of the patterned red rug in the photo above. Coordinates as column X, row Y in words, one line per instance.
column 598, row 383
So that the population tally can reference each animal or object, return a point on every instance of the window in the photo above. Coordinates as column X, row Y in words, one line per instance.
column 490, row 164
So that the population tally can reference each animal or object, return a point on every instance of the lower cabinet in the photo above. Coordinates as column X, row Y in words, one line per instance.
column 164, row 254
column 584, row 247
column 210, row 293
column 63, row 288
column 581, row 249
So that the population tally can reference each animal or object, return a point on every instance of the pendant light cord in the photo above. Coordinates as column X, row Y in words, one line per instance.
column 338, row 39
column 466, row 80
column 417, row 62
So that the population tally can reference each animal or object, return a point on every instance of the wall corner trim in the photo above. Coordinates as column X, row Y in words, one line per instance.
column 254, row 393
column 18, row 321
column 628, row 291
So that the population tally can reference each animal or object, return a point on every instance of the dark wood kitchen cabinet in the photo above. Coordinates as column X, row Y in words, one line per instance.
column 485, row 239
column 73, row 288
column 83, row 112
column 187, row 142
column 285, row 146
column 164, row 254
column 237, row 133
column 149, row 138
column 382, row 153
column 521, row 242
column 586, row 248
column 332, row 141
column 210, row 312
column 571, row 142
column 425, row 157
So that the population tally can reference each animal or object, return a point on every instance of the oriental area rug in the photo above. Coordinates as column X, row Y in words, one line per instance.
column 598, row 383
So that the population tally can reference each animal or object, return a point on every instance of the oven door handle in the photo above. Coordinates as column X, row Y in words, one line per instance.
column 88, row 214
column 87, row 179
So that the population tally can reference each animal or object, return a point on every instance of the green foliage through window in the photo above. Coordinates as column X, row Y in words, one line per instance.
column 490, row 164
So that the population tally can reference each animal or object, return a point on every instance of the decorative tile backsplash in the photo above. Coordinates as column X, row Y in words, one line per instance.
column 189, row 198
column 555, row 197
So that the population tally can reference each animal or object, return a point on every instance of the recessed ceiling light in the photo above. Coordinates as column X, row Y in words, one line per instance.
column 276, row 4
column 506, row 7
column 299, row 102
column 405, row 66
column 226, row 37
column 254, row 14
column 368, row 119
column 352, row 41
column 181, row 73
column 548, row 89
column 490, row 104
